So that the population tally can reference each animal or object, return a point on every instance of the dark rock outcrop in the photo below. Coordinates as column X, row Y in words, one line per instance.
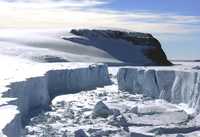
column 150, row 46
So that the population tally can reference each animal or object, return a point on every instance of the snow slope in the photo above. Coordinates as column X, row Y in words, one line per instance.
column 84, row 46
column 174, row 84
column 26, row 85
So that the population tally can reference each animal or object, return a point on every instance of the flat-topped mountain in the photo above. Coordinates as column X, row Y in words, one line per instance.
column 135, row 38
column 84, row 45
column 129, row 47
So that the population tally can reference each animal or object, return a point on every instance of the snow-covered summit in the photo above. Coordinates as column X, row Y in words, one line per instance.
column 137, row 38
column 130, row 47
column 60, row 45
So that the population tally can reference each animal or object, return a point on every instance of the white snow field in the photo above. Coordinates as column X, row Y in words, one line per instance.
column 27, row 85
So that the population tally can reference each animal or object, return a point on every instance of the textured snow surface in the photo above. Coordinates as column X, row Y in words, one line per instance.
column 26, row 85
column 122, row 114
column 106, row 111
column 178, row 85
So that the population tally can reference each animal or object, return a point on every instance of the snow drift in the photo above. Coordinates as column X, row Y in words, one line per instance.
column 176, row 86
column 23, row 97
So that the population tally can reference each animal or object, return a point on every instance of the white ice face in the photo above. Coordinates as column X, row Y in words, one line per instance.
column 174, row 85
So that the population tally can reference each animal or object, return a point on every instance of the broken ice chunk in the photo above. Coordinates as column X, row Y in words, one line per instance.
column 101, row 110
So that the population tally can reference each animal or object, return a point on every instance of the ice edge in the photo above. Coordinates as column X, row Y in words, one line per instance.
column 38, row 91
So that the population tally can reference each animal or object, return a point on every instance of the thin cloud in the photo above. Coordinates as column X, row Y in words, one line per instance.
column 79, row 13
column 34, row 4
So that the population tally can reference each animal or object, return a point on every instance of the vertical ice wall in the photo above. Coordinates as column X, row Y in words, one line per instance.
column 176, row 86
column 29, row 94
column 36, row 92
column 72, row 81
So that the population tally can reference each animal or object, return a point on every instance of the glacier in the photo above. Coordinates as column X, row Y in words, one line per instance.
column 23, row 90
column 175, row 85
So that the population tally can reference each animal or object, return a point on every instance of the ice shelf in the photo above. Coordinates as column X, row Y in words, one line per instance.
column 178, row 86
column 26, row 86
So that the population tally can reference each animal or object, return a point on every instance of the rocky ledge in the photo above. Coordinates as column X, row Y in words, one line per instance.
column 148, row 45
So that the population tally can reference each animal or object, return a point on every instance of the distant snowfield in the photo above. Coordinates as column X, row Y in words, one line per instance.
column 188, row 64
column 36, row 44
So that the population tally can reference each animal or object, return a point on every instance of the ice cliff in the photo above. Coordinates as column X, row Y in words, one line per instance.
column 174, row 85
column 20, row 97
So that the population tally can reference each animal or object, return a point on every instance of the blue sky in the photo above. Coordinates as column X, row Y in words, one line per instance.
column 185, row 7
column 177, row 46
column 176, row 23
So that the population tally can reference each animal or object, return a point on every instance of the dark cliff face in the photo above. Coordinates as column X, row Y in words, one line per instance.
column 153, row 51
column 158, row 56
